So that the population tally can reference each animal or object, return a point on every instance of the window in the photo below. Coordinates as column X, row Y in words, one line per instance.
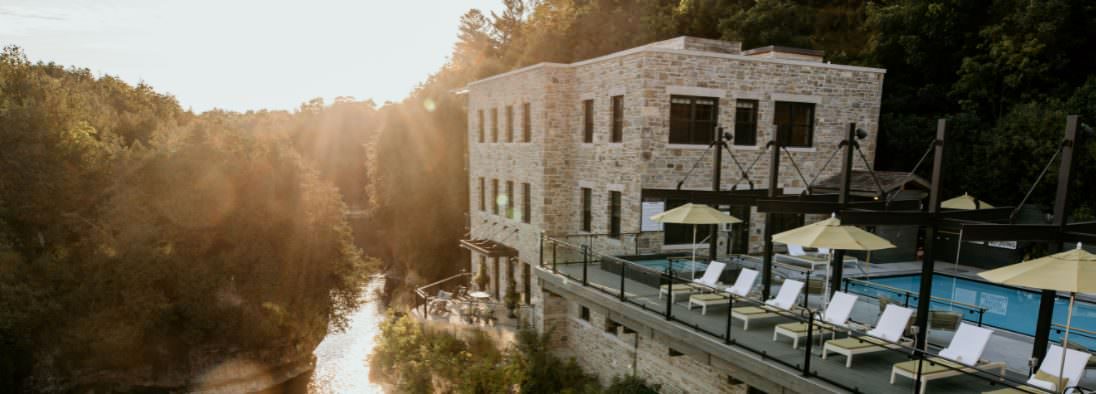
column 508, row 201
column 494, row 125
column 795, row 123
column 614, row 214
column 509, row 123
column 682, row 234
column 618, row 119
column 745, row 122
column 583, row 313
column 588, row 121
column 526, row 124
column 526, row 203
column 692, row 119
column 495, row 196
column 481, row 137
column 482, row 195
column 587, row 214
column 611, row 327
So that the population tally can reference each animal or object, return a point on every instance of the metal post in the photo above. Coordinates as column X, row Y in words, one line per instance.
column 717, row 174
column 1061, row 210
column 670, row 293
column 774, row 175
column 730, row 306
column 837, row 265
column 555, row 270
column 925, row 294
column 585, row 263
column 810, row 344
column 623, row 266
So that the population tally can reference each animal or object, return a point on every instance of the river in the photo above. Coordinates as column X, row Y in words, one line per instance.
column 341, row 365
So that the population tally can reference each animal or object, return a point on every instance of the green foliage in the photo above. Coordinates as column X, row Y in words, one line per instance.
column 414, row 358
column 133, row 234
column 631, row 384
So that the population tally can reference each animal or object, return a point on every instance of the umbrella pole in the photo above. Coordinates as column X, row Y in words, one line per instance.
column 1065, row 342
column 692, row 264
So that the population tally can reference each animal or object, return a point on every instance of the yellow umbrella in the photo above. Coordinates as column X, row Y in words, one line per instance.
column 1073, row 271
column 966, row 202
column 695, row 214
column 831, row 234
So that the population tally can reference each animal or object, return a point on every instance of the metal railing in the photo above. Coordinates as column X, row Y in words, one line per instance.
column 659, row 293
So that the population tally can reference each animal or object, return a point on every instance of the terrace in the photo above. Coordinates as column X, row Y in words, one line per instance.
column 634, row 288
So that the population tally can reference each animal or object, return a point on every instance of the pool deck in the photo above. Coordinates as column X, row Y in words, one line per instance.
column 870, row 373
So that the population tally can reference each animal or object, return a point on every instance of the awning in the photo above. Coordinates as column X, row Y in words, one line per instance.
column 488, row 247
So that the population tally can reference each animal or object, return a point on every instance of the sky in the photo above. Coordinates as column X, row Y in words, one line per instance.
column 245, row 54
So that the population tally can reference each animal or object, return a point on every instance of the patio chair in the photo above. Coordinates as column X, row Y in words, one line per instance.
column 1046, row 377
column 962, row 356
column 742, row 286
column 784, row 302
column 887, row 334
column 836, row 316
column 709, row 280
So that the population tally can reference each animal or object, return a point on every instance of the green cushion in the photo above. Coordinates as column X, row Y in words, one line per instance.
column 856, row 343
column 931, row 366
column 708, row 297
column 801, row 328
column 750, row 310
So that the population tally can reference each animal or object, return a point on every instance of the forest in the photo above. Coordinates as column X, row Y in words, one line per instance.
column 134, row 234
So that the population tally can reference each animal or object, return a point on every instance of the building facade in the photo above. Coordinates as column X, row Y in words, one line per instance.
column 583, row 151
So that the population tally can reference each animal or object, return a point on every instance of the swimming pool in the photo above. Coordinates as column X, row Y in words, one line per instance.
column 1008, row 308
column 679, row 265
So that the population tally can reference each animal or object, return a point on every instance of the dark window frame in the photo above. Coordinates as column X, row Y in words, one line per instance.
column 690, row 131
column 495, row 196
column 526, row 203
column 526, row 123
column 617, row 119
column 615, row 200
column 794, row 133
column 482, row 133
column 745, row 122
column 483, row 194
column 509, row 199
column 583, row 313
column 510, row 123
column 587, row 197
column 494, row 125
column 588, row 121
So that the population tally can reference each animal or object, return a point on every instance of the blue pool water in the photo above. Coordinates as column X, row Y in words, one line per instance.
column 678, row 265
column 1008, row 308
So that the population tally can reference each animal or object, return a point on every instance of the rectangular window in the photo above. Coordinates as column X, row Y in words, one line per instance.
column 693, row 119
column 526, row 124
column 509, row 123
column 614, row 214
column 588, row 121
column 587, row 214
column 583, row 313
column 508, row 202
column 482, row 195
column 618, row 119
column 495, row 196
column 795, row 123
column 526, row 203
column 682, row 234
column 494, row 125
column 745, row 122
column 481, row 127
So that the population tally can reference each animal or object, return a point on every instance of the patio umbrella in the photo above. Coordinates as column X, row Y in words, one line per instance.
column 1073, row 271
column 831, row 234
column 695, row 214
column 966, row 202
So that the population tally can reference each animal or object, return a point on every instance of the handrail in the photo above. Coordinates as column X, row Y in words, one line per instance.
column 1076, row 330
column 915, row 294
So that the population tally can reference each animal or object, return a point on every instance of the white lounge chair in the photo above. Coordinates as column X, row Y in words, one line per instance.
column 836, row 316
column 742, row 286
column 784, row 302
column 709, row 280
column 886, row 335
column 963, row 355
column 1046, row 377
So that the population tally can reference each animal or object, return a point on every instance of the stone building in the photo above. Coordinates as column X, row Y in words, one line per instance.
column 585, row 151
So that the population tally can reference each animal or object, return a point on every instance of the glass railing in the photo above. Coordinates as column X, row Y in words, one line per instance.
column 841, row 355
column 907, row 298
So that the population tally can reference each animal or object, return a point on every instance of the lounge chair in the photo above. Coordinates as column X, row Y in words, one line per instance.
column 704, row 283
column 887, row 334
column 962, row 356
column 784, row 302
column 836, row 316
column 742, row 286
column 1046, row 377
